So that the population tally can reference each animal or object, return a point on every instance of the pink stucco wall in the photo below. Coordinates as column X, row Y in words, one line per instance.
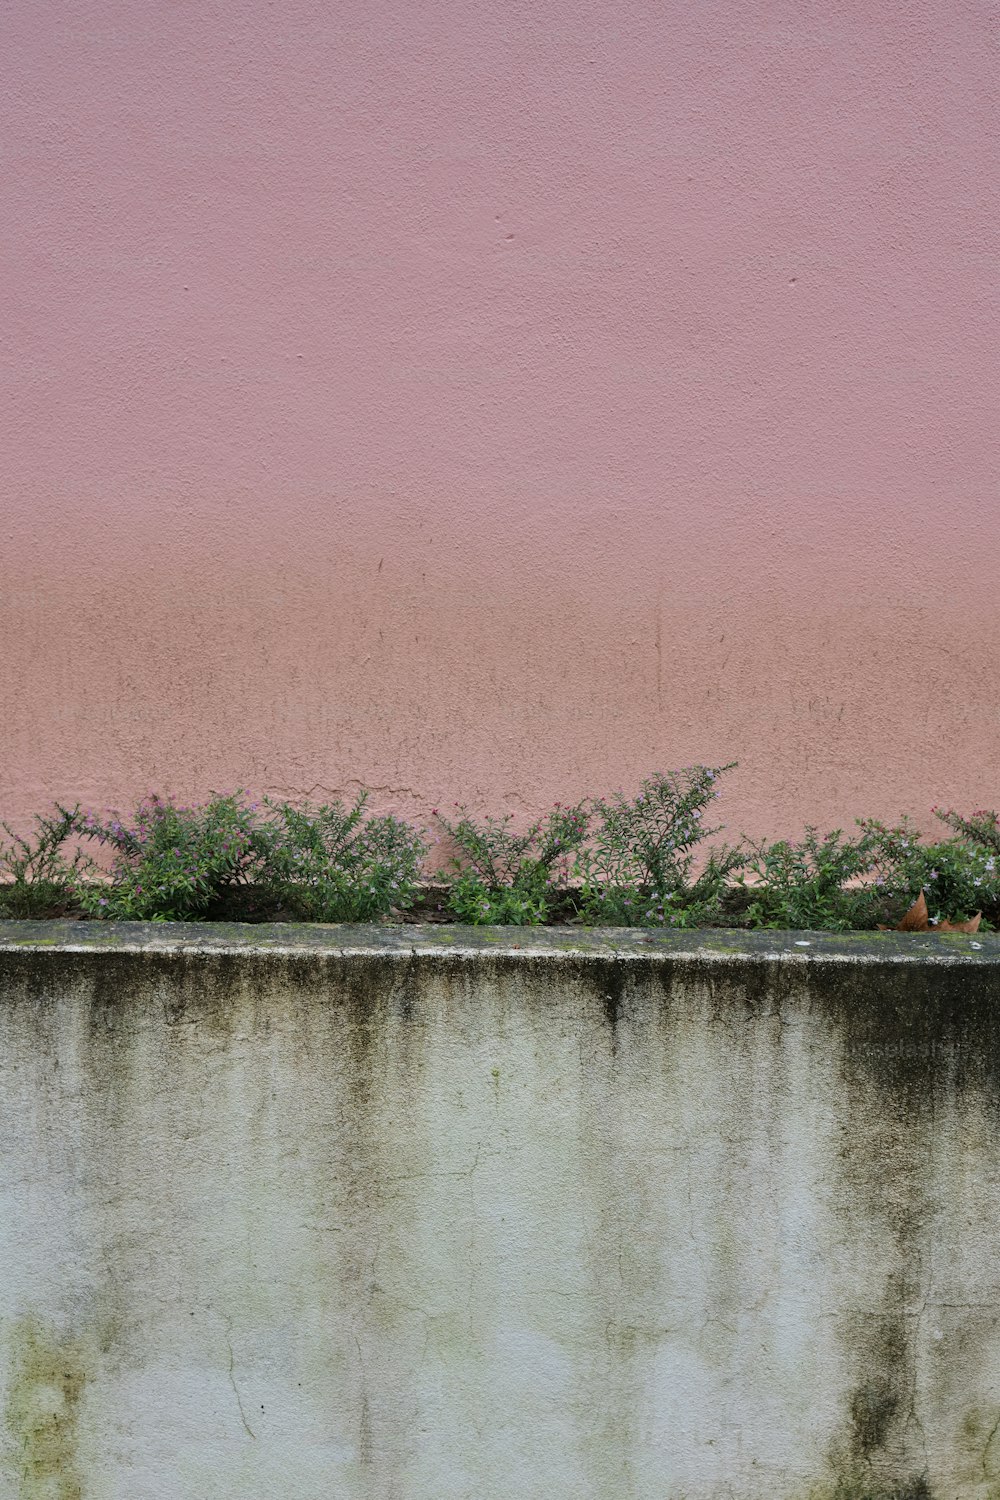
column 501, row 400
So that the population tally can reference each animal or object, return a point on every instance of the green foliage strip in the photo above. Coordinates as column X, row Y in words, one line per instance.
column 636, row 861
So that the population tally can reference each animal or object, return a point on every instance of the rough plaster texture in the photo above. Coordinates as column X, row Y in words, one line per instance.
column 500, row 401
column 436, row 1216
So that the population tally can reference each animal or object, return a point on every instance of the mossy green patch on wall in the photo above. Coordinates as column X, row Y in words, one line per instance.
column 864, row 1488
column 48, row 1376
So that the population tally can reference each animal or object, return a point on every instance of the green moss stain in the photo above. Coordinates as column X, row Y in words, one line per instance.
column 977, row 1441
column 916, row 1488
column 48, row 1376
column 608, row 977
column 872, row 1409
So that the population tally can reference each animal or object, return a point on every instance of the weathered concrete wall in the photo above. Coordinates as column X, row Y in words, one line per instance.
column 413, row 1216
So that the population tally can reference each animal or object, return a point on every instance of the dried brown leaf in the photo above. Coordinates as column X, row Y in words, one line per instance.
column 916, row 919
column 972, row 925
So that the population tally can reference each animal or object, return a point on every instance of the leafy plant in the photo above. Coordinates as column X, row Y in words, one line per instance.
column 170, row 862
column 957, row 876
column 37, row 878
column 832, row 882
column 331, row 863
column 508, row 878
column 638, row 869
column 837, row 882
column 980, row 829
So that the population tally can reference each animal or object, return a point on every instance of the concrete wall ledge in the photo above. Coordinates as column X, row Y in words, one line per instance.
column 440, row 1213
column 406, row 941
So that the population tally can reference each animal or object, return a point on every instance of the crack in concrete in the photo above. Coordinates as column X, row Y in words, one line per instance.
column 986, row 1446
column 232, row 1382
